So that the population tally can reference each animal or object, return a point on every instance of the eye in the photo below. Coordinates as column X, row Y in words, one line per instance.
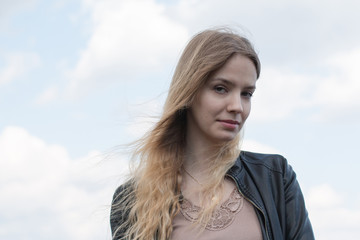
column 220, row 89
column 247, row 94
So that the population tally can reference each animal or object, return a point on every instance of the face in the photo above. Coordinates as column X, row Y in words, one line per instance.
column 221, row 107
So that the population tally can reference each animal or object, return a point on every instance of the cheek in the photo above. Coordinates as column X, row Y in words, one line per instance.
column 247, row 110
column 208, row 106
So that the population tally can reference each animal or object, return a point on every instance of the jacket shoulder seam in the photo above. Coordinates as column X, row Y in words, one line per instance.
column 276, row 159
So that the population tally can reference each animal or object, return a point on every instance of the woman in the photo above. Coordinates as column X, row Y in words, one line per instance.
column 192, row 181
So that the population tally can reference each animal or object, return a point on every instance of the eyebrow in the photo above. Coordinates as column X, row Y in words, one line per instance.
column 225, row 81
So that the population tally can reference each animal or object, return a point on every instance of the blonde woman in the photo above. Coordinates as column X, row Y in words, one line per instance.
column 192, row 181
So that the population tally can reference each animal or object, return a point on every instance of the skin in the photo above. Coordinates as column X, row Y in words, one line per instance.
column 223, row 104
column 218, row 113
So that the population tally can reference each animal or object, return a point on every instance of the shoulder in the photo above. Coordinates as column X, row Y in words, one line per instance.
column 121, row 191
column 273, row 167
column 119, row 208
column 269, row 181
column 272, row 162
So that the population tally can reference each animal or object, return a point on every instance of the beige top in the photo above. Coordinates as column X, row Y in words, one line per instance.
column 234, row 219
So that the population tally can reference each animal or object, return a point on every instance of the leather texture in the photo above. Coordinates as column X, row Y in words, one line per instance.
column 269, row 183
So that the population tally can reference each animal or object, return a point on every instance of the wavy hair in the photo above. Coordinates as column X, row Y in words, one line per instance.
column 152, row 198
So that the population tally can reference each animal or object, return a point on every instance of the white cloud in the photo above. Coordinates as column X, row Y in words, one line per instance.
column 254, row 146
column 14, row 6
column 331, row 214
column 48, row 195
column 280, row 93
column 17, row 65
column 129, row 39
column 49, row 95
column 339, row 92
column 324, row 196
column 140, row 123
column 295, row 31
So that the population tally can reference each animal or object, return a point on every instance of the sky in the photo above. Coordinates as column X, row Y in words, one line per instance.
column 81, row 78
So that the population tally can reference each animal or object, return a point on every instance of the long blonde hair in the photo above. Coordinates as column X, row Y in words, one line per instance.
column 151, row 200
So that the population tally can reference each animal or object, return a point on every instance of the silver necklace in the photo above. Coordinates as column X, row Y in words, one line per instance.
column 192, row 177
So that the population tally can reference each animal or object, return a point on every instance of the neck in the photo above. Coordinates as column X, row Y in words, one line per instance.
column 197, row 160
column 199, row 156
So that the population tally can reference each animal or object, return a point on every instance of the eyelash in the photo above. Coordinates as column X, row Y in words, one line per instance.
column 247, row 94
column 221, row 89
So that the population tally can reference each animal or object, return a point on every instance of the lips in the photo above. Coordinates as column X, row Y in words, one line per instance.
column 230, row 122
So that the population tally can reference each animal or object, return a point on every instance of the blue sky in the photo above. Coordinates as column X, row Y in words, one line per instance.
column 78, row 78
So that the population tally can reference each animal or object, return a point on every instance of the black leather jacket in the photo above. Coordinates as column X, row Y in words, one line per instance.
column 269, row 183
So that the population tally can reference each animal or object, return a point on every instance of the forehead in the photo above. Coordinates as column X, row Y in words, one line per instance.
column 237, row 70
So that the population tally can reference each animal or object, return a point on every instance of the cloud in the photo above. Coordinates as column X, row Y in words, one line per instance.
column 331, row 214
column 49, row 95
column 129, row 39
column 280, row 93
column 324, row 196
column 344, row 86
column 296, row 32
column 254, row 146
column 17, row 65
column 11, row 7
column 339, row 92
column 49, row 195
column 141, row 123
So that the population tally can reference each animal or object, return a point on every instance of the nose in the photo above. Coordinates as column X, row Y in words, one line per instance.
column 235, row 103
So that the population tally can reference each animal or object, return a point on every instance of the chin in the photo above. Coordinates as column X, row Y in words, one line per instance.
column 227, row 138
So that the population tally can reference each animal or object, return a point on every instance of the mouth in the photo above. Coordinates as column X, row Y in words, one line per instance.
column 233, row 122
column 229, row 124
